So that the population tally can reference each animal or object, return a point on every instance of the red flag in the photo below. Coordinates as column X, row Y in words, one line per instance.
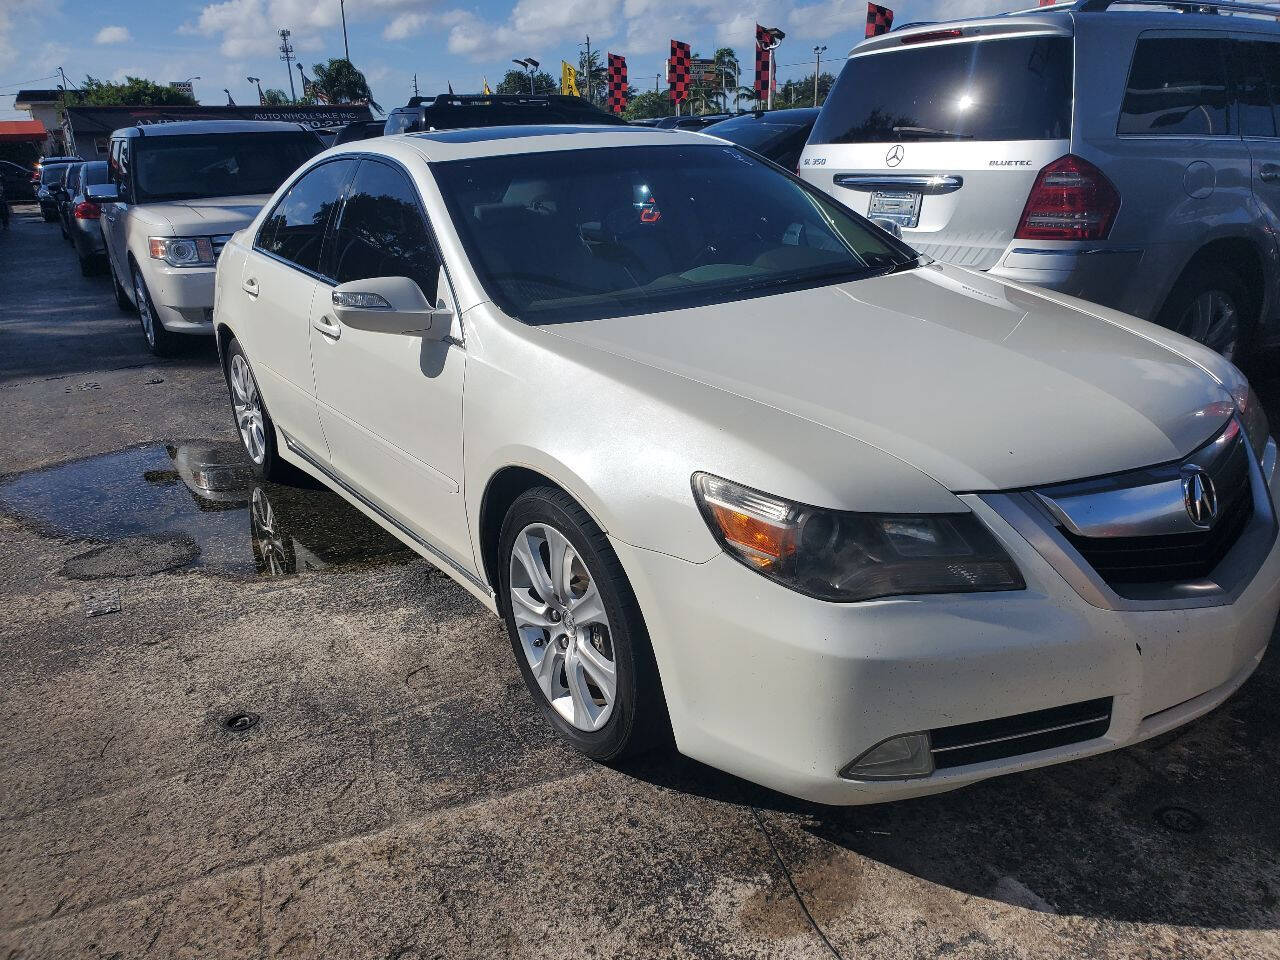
column 617, row 83
column 879, row 19
column 763, row 81
column 678, row 71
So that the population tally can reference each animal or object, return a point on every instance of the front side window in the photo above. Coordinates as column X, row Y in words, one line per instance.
column 217, row 165
column 577, row 235
column 383, row 233
column 1177, row 86
column 295, row 229
column 1007, row 89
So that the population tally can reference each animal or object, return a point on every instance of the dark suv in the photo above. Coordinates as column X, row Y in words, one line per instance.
column 451, row 112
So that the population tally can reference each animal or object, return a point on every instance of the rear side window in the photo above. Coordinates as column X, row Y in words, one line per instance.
column 294, row 231
column 1177, row 87
column 383, row 232
column 1015, row 89
column 1255, row 71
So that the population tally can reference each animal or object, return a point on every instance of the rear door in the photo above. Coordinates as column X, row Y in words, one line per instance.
column 945, row 136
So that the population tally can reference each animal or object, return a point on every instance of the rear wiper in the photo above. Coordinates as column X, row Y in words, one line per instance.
column 922, row 132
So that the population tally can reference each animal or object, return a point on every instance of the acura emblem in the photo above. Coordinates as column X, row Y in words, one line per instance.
column 1199, row 496
column 894, row 156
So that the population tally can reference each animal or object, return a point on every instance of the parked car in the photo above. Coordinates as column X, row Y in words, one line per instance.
column 49, row 193
column 691, row 121
column 1123, row 156
column 858, row 525
column 359, row 130
column 450, row 112
column 16, row 180
column 177, row 192
column 64, row 192
column 81, row 217
column 777, row 135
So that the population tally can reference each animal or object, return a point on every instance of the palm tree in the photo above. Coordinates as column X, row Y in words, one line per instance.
column 598, row 72
column 340, row 82
column 727, row 70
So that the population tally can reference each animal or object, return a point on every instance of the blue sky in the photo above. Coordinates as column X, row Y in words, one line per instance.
column 443, row 41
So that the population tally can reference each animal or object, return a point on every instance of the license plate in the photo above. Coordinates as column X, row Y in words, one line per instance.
column 900, row 206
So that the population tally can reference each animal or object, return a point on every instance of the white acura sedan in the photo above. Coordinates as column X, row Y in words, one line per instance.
column 736, row 466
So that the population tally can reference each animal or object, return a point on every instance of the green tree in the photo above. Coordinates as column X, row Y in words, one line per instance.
column 599, row 76
column 517, row 82
column 650, row 103
column 340, row 82
column 799, row 93
column 274, row 97
column 134, row 92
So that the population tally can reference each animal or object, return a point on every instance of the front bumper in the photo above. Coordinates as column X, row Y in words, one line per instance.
column 785, row 690
column 183, row 296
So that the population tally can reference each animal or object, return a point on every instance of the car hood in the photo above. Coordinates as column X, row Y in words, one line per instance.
column 977, row 383
column 208, row 215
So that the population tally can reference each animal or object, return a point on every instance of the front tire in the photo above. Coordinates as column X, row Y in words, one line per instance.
column 161, row 341
column 576, row 630
column 253, row 423
column 1212, row 304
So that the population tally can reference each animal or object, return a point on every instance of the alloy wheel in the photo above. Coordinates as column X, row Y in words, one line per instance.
column 1213, row 319
column 144, row 308
column 248, row 409
column 268, row 539
column 564, row 630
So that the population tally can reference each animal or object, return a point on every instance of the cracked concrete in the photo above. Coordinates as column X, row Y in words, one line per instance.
column 400, row 798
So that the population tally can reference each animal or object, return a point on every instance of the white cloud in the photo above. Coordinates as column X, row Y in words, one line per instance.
column 113, row 35
column 531, row 27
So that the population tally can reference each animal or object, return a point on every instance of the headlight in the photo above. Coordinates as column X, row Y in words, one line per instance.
column 1252, row 416
column 844, row 556
column 182, row 251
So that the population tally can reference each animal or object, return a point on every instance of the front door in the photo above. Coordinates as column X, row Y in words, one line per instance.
column 391, row 404
column 1256, row 67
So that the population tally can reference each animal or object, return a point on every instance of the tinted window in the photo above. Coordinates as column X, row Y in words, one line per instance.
column 1255, row 72
column 54, row 175
column 295, row 229
column 95, row 172
column 1177, row 85
column 568, row 235
column 382, row 232
column 217, row 165
column 781, row 140
column 1016, row 89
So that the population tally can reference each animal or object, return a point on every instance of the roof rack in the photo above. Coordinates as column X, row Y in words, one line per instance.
column 1183, row 6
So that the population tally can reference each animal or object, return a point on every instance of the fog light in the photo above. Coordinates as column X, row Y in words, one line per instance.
column 894, row 759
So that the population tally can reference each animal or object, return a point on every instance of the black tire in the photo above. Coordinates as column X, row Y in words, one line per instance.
column 161, row 342
column 1185, row 311
column 269, row 466
column 122, row 295
column 88, row 265
column 638, row 721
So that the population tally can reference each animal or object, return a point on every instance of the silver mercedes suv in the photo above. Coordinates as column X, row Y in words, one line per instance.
column 1125, row 153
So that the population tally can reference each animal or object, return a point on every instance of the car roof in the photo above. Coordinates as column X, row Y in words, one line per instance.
column 445, row 145
column 212, row 127
column 791, row 116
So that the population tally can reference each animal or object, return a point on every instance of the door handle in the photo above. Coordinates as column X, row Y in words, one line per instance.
column 328, row 326
column 1269, row 173
column 250, row 287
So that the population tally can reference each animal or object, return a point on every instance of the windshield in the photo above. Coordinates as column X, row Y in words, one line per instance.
column 217, row 165
column 585, row 234
column 1017, row 89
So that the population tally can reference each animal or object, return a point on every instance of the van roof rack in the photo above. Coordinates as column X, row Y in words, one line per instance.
column 1182, row 6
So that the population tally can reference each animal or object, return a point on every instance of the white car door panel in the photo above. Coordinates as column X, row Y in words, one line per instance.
column 391, row 404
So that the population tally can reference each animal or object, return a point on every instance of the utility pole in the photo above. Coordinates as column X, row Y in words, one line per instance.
column 588, row 65
column 817, row 69
column 286, row 54
column 415, row 85
column 342, row 6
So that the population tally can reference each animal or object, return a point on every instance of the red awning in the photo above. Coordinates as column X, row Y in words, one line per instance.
column 22, row 131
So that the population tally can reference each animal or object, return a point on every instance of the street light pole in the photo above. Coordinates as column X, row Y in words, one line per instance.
column 817, row 68
column 342, row 7
column 775, row 38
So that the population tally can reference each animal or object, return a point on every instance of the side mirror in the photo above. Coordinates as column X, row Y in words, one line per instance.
column 888, row 226
column 102, row 193
column 390, row 305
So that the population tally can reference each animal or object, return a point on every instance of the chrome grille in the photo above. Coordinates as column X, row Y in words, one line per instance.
column 218, row 243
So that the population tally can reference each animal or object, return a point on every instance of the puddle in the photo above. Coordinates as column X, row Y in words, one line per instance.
column 195, row 504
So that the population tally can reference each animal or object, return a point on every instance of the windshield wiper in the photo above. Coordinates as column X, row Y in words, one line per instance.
column 921, row 133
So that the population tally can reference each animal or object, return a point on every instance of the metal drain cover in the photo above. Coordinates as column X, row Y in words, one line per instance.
column 240, row 722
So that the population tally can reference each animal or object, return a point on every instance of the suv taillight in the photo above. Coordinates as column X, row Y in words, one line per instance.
column 1070, row 200
column 86, row 210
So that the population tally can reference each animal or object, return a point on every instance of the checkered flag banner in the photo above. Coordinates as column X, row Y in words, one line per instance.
column 763, row 41
column 617, row 83
column 678, row 71
column 879, row 19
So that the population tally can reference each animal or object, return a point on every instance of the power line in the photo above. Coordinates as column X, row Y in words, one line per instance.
column 23, row 83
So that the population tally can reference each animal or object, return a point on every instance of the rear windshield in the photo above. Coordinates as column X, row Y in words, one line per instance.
column 1016, row 89
column 579, row 235
column 51, row 176
column 95, row 172
column 765, row 135
column 217, row 165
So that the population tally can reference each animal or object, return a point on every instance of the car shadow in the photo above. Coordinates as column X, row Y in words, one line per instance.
column 1182, row 829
